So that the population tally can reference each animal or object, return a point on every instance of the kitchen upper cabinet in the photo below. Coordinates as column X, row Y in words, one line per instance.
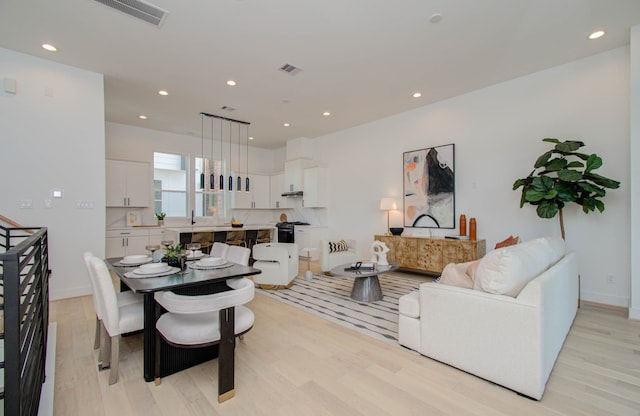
column 258, row 197
column 128, row 183
column 315, row 188
column 293, row 174
column 277, row 188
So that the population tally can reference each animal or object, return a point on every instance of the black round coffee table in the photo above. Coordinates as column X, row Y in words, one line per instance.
column 366, row 286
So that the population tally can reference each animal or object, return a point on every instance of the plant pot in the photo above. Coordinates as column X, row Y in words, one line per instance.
column 160, row 223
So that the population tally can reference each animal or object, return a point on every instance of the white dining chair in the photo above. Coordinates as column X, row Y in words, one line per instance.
column 116, row 319
column 194, row 321
column 124, row 298
column 239, row 255
column 219, row 250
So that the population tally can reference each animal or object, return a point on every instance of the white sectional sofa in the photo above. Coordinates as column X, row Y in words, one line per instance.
column 512, row 336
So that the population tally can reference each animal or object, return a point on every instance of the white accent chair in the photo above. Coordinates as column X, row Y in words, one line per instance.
column 239, row 254
column 194, row 321
column 219, row 250
column 123, row 298
column 116, row 319
column 330, row 260
column 278, row 262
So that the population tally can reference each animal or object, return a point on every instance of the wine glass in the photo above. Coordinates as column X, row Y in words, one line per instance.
column 183, row 261
column 192, row 247
column 153, row 248
column 166, row 243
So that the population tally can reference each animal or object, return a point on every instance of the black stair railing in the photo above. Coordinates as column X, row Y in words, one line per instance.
column 24, row 309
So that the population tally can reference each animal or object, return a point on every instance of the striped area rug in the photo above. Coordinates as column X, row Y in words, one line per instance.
column 329, row 298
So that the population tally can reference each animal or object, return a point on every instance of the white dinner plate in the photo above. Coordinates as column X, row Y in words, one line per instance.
column 136, row 261
column 195, row 257
column 199, row 266
column 158, row 270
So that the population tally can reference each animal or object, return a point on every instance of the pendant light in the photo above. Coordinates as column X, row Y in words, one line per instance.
column 246, row 184
column 202, row 153
column 239, row 179
column 221, row 164
column 230, row 187
column 212, row 178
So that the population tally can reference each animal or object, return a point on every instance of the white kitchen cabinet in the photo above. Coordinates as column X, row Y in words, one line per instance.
column 258, row 196
column 128, row 184
column 120, row 243
column 309, row 237
column 156, row 235
column 315, row 188
column 293, row 174
column 277, row 188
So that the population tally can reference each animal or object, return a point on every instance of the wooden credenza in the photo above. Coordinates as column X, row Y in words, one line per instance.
column 430, row 255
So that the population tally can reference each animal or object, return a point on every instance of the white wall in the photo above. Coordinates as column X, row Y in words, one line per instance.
column 497, row 133
column 52, row 137
column 634, row 156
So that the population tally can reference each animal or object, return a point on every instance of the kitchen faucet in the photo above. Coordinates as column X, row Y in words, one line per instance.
column 193, row 220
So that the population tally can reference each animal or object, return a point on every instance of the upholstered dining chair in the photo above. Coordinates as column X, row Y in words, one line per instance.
column 219, row 250
column 123, row 298
column 238, row 254
column 116, row 319
column 194, row 321
column 278, row 262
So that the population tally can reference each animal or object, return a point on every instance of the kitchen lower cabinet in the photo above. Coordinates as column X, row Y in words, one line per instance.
column 121, row 243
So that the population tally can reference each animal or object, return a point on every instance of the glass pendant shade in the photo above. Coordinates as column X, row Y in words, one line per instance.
column 202, row 180
column 230, row 183
column 238, row 183
column 221, row 182
column 212, row 181
column 246, row 184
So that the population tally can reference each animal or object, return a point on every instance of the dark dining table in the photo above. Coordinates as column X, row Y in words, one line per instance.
column 188, row 282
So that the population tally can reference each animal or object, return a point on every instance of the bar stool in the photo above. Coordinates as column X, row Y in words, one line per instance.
column 204, row 238
column 236, row 238
column 264, row 236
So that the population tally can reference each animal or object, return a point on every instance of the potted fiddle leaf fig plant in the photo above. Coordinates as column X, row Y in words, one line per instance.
column 562, row 175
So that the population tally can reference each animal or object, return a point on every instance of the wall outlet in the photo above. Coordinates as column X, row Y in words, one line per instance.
column 610, row 279
column 25, row 204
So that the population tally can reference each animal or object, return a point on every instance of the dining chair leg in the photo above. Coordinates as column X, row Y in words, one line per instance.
column 105, row 349
column 157, row 361
column 115, row 352
column 96, row 340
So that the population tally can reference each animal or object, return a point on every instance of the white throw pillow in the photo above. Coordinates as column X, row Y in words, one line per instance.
column 507, row 270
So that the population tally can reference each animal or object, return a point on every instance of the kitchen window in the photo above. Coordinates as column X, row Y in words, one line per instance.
column 170, row 184
column 208, row 202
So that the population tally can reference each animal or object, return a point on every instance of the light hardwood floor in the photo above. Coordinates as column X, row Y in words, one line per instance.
column 295, row 363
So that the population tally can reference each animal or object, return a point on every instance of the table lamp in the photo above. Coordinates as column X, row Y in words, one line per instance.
column 387, row 204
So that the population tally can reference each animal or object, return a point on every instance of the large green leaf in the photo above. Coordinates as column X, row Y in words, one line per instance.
column 533, row 196
column 602, row 181
column 575, row 164
column 569, row 175
column 542, row 160
column 550, row 140
column 556, row 164
column 591, row 188
column 593, row 162
column 566, row 192
column 600, row 205
column 568, row 146
column 547, row 209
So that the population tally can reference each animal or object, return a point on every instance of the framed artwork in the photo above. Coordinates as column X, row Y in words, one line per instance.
column 428, row 187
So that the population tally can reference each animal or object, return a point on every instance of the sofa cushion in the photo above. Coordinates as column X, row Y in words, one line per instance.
column 507, row 270
column 409, row 304
column 337, row 246
column 455, row 274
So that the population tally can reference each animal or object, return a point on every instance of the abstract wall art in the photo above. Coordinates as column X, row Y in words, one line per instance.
column 429, row 185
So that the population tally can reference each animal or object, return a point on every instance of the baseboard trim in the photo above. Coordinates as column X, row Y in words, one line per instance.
column 605, row 299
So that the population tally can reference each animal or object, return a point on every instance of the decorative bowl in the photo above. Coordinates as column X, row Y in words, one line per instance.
column 237, row 225
column 396, row 230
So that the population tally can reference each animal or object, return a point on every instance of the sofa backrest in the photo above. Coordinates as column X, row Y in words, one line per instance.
column 507, row 270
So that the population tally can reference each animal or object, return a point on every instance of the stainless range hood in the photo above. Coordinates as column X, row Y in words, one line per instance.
column 292, row 194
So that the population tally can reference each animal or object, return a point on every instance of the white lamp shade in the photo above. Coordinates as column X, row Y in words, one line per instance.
column 387, row 204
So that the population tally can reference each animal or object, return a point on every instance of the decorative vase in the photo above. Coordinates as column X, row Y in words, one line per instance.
column 463, row 225
column 472, row 229
column 171, row 261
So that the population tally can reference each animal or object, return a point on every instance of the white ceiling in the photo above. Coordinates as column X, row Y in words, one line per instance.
column 360, row 59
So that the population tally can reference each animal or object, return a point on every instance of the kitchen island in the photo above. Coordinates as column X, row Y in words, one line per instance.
column 210, row 234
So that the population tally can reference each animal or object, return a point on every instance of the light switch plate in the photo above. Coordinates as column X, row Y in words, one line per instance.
column 25, row 204
column 10, row 86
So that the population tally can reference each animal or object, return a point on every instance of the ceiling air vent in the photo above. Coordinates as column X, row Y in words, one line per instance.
column 290, row 69
column 138, row 9
column 227, row 108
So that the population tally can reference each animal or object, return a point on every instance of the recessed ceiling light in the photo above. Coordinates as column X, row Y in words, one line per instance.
column 49, row 47
column 286, row 124
column 231, row 83
column 326, row 114
column 597, row 34
column 417, row 94
column 163, row 92
column 142, row 117
column 435, row 18
column 250, row 137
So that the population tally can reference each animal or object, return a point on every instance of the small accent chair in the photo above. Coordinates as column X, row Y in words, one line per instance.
column 219, row 250
column 123, row 298
column 239, row 255
column 333, row 254
column 278, row 262
column 194, row 321
column 116, row 319
column 236, row 238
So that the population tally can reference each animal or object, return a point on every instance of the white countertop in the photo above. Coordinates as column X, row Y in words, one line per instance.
column 214, row 228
